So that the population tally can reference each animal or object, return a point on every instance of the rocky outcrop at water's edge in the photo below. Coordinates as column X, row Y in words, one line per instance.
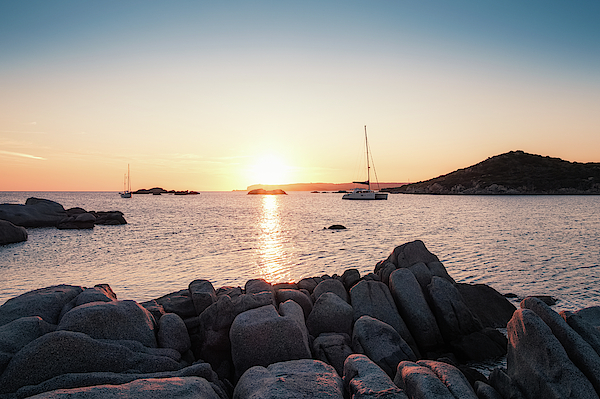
column 37, row 212
column 407, row 330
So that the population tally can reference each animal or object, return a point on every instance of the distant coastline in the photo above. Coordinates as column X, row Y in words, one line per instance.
column 318, row 186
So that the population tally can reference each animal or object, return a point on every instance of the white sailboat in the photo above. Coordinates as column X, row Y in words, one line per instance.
column 126, row 185
column 362, row 193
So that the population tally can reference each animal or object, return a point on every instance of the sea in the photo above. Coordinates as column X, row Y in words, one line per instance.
column 524, row 245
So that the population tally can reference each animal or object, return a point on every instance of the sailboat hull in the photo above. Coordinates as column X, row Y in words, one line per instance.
column 358, row 194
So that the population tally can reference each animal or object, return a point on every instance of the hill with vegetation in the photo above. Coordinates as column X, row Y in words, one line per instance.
column 514, row 172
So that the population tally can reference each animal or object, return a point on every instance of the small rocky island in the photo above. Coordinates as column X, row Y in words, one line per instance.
column 159, row 191
column 514, row 172
column 37, row 212
column 406, row 330
column 262, row 191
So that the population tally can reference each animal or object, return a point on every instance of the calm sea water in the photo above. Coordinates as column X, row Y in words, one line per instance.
column 520, row 244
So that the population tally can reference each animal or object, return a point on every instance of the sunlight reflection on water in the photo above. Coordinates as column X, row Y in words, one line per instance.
column 271, row 249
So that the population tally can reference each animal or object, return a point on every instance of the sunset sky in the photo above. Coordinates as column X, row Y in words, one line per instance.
column 219, row 95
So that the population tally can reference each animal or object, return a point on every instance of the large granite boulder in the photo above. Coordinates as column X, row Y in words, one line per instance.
column 578, row 350
column 420, row 382
column 363, row 379
column 297, row 296
column 62, row 352
column 583, row 328
column 537, row 362
column 35, row 213
column 79, row 380
column 260, row 337
column 305, row 378
column 333, row 349
column 9, row 233
column 590, row 315
column 330, row 314
column 179, row 302
column 172, row 333
column 487, row 304
column 330, row 285
column 109, row 217
column 98, row 293
column 373, row 298
column 413, row 308
column 44, row 302
column 203, row 294
column 381, row 343
column 453, row 316
column 112, row 320
column 150, row 388
column 80, row 221
column 18, row 333
column 452, row 378
column 408, row 254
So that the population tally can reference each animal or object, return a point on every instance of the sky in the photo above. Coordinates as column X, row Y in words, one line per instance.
column 220, row 95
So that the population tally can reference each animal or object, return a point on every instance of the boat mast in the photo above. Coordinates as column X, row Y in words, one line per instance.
column 368, row 166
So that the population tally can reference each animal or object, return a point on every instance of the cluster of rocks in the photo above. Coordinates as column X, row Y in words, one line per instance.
column 404, row 331
column 38, row 212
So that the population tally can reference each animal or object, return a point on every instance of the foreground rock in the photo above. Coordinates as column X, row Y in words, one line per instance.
column 9, row 233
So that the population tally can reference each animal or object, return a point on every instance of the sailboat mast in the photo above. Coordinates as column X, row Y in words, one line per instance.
column 128, row 179
column 368, row 166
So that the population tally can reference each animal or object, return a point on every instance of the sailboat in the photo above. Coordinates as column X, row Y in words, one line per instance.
column 362, row 193
column 126, row 185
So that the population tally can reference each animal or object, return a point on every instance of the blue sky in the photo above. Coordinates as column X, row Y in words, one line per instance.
column 221, row 95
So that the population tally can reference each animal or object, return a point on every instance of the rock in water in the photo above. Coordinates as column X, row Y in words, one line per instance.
column 35, row 213
column 10, row 234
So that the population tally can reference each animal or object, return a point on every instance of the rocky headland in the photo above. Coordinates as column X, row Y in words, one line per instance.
column 515, row 173
column 37, row 212
column 407, row 330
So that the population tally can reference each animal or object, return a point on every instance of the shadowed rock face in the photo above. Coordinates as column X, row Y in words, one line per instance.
column 364, row 379
column 10, row 234
column 35, row 213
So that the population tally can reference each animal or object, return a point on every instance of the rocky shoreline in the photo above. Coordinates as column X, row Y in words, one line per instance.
column 407, row 330
column 37, row 212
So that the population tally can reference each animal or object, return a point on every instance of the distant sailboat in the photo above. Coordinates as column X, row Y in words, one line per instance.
column 126, row 185
column 361, row 193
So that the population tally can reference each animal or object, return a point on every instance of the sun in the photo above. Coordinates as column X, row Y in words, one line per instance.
column 269, row 169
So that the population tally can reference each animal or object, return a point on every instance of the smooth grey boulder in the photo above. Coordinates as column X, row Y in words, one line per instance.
column 591, row 315
column 80, row 380
column 537, row 362
column 350, row 277
column 291, row 310
column 10, row 234
column 203, row 294
column 260, row 337
column 578, row 350
column 62, row 352
column 415, row 311
column 309, row 283
column 422, row 274
column 333, row 349
column 213, row 344
column 305, row 378
column 112, row 320
column 420, row 382
column 297, row 296
column 151, row 388
column 179, row 302
column 410, row 253
column 98, row 293
column 154, row 308
column 485, row 391
column 381, row 343
column 487, row 304
column 453, row 316
column 35, row 213
column 172, row 333
column 452, row 377
column 385, row 270
column 437, row 269
column 583, row 328
column 18, row 333
column 255, row 286
column 44, row 302
column 373, row 298
column 80, row 221
column 330, row 314
column 363, row 379
column 330, row 285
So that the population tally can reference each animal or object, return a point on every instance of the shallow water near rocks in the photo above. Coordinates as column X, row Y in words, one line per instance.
column 525, row 245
